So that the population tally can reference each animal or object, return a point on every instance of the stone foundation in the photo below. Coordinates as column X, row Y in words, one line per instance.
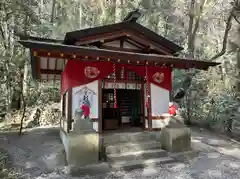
column 81, row 145
column 176, row 139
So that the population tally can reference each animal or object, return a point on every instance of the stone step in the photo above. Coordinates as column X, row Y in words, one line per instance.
column 136, row 155
column 128, row 137
column 87, row 170
column 132, row 147
column 138, row 164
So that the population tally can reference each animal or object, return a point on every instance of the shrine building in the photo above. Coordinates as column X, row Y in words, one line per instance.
column 122, row 71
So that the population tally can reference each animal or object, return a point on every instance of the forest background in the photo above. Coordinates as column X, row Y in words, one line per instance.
column 207, row 29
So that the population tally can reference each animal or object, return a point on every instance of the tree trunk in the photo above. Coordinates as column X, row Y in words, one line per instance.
column 23, row 114
column 53, row 11
column 190, row 27
column 238, row 81
column 118, row 10
column 25, row 78
column 194, row 16
column 80, row 11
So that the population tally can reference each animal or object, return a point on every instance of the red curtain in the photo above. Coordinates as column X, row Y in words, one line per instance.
column 79, row 72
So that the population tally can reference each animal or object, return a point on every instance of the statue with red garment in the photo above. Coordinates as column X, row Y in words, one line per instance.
column 84, row 108
column 173, row 108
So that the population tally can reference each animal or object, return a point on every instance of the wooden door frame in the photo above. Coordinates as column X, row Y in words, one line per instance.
column 100, row 117
column 100, row 93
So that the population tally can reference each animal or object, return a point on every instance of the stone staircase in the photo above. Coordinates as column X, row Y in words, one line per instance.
column 134, row 150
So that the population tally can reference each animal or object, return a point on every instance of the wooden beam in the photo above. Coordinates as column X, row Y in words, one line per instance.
column 47, row 67
column 69, row 116
column 38, row 73
column 121, row 43
column 108, row 37
column 121, row 49
column 143, row 40
column 153, row 60
column 48, row 71
column 134, row 43
column 78, row 53
column 55, row 68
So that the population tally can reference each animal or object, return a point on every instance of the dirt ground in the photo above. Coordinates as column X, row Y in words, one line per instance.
column 38, row 151
column 39, row 154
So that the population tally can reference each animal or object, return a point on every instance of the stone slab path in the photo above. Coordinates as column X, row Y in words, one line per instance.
column 38, row 154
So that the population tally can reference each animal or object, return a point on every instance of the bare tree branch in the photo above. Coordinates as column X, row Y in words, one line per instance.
column 3, row 37
column 236, row 19
column 53, row 10
column 225, row 37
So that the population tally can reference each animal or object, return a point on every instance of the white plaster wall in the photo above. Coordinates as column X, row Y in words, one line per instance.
column 115, row 43
column 95, row 126
column 160, row 104
column 159, row 100
column 76, row 97
column 160, row 123
column 129, row 46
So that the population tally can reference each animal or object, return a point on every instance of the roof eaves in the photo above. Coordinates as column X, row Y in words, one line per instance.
column 155, row 37
column 40, row 39
column 70, row 37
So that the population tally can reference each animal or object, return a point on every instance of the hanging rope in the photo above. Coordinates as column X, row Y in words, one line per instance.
column 147, row 87
column 122, row 73
column 115, row 91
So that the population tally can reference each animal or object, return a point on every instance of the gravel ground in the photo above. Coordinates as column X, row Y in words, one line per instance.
column 38, row 154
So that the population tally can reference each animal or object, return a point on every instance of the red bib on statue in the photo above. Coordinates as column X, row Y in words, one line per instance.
column 172, row 110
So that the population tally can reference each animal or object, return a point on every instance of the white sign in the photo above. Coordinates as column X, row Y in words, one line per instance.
column 139, row 86
column 108, row 85
column 131, row 86
column 120, row 86
column 112, row 85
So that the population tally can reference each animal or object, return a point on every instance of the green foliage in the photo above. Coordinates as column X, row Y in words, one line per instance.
column 49, row 18
column 43, row 93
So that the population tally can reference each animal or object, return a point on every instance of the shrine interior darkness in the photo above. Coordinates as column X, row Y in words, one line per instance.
column 129, row 103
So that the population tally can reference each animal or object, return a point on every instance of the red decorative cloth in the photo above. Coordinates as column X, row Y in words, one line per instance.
column 86, row 110
column 172, row 110
column 79, row 72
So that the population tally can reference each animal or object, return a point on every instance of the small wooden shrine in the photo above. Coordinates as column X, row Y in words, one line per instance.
column 117, row 76
column 123, row 70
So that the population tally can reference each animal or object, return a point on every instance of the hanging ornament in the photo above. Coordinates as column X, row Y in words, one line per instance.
column 147, row 87
column 122, row 73
column 114, row 81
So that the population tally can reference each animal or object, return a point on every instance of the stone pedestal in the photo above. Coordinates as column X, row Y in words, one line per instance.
column 176, row 139
column 82, row 144
column 82, row 126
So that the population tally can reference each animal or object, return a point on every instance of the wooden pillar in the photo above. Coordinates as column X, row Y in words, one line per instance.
column 69, row 109
column 150, row 109
column 100, row 119
column 143, row 105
